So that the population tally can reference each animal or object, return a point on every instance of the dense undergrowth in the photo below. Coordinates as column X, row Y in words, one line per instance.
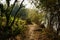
column 20, row 27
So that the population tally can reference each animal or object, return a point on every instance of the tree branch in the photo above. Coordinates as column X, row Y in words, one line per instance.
column 16, row 13
column 12, row 7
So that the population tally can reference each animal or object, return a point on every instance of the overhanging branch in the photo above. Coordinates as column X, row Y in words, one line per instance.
column 16, row 13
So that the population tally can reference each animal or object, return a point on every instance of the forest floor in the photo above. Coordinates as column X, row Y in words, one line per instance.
column 31, row 33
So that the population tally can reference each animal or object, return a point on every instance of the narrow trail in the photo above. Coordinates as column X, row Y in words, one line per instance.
column 33, row 35
column 33, row 32
column 30, row 33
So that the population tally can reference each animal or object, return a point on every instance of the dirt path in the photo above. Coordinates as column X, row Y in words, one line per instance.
column 33, row 35
column 33, row 32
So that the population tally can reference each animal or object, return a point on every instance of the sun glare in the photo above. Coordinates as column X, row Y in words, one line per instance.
column 26, row 3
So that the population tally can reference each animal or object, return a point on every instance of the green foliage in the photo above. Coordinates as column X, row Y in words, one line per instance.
column 36, row 17
column 14, row 22
column 18, row 28
column 8, row 21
